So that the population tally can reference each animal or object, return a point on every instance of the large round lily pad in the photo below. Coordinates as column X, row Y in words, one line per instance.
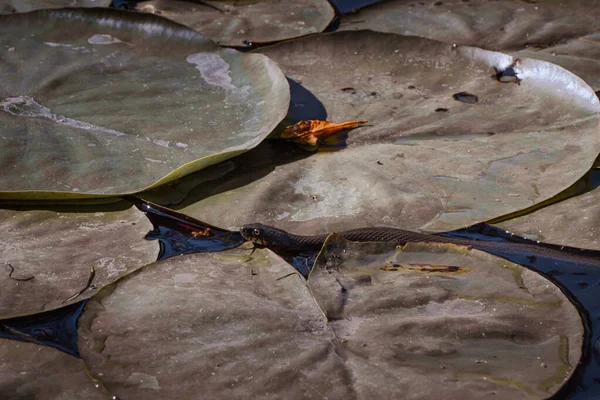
column 13, row 6
column 440, row 320
column 426, row 160
column 104, row 102
column 494, row 25
column 31, row 371
column 241, row 23
column 239, row 325
column 218, row 323
column 46, row 255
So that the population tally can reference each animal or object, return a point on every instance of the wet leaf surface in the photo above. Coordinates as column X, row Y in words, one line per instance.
column 572, row 222
column 428, row 316
column 30, row 371
column 579, row 55
column 101, row 102
column 412, row 166
column 13, row 6
column 58, row 247
column 235, row 23
column 493, row 25
column 218, row 323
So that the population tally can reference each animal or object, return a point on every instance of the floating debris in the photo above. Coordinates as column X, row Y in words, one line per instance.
column 509, row 74
column 466, row 97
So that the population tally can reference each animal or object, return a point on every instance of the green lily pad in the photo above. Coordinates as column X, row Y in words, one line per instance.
column 58, row 247
column 99, row 102
column 425, row 160
column 31, row 371
column 240, row 23
column 494, row 25
column 413, row 321
column 14, row 6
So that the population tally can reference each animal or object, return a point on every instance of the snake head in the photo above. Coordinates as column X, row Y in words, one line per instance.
column 265, row 236
column 254, row 233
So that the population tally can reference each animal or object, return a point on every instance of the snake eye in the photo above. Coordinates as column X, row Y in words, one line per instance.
column 256, row 232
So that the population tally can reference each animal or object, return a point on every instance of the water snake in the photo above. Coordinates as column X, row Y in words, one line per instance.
column 280, row 240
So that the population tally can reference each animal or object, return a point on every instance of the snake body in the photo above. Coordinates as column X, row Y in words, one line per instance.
column 280, row 240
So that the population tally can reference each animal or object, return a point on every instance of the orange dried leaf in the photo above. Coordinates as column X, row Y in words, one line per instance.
column 200, row 233
column 312, row 130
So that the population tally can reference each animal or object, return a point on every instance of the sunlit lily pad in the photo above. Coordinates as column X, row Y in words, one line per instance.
column 574, row 222
column 413, row 166
column 494, row 25
column 31, row 371
column 46, row 256
column 579, row 55
column 239, row 325
column 102, row 102
column 13, row 6
column 241, row 23
column 427, row 316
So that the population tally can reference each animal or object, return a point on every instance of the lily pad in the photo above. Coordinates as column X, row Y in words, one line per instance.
column 574, row 222
column 99, row 102
column 427, row 316
column 413, row 166
column 493, row 25
column 220, row 323
column 241, row 23
column 241, row 325
column 579, row 55
column 57, row 248
column 14, row 6
column 31, row 371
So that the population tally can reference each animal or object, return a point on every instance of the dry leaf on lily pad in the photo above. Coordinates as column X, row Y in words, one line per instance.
column 408, row 328
column 413, row 166
column 98, row 102
column 46, row 255
column 14, row 6
column 494, row 25
column 241, row 23
column 310, row 132
column 31, row 371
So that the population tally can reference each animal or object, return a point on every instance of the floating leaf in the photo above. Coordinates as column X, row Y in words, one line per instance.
column 412, row 166
column 494, row 25
column 14, row 6
column 408, row 332
column 219, row 323
column 235, row 23
column 31, row 371
column 59, row 247
column 104, row 102
column 208, row 322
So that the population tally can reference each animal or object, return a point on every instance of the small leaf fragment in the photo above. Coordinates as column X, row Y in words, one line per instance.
column 311, row 131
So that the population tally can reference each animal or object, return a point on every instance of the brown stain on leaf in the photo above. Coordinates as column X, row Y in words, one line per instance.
column 424, row 268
